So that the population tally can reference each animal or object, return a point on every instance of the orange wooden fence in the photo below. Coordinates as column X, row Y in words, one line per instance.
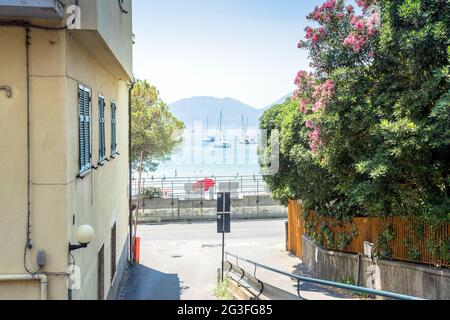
column 404, row 238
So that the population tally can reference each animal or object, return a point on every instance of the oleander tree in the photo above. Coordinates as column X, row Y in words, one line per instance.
column 376, row 107
column 300, row 177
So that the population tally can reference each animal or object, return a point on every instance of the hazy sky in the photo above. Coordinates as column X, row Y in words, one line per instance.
column 244, row 49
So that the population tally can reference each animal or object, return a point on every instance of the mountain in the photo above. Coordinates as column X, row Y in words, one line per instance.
column 280, row 101
column 196, row 109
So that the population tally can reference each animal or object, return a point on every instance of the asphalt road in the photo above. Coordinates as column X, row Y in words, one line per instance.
column 180, row 261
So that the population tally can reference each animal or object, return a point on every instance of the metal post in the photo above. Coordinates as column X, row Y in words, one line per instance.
column 223, row 254
column 242, row 187
column 201, row 197
column 257, row 191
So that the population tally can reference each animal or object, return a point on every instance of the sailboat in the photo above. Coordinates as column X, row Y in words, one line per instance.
column 244, row 139
column 221, row 142
column 208, row 139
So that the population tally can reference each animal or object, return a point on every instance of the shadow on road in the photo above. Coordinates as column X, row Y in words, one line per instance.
column 142, row 283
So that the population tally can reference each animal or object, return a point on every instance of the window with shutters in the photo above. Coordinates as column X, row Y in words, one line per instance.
column 84, row 129
column 113, row 129
column 101, row 129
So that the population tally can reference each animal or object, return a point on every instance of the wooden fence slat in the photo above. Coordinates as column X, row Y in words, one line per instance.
column 407, row 239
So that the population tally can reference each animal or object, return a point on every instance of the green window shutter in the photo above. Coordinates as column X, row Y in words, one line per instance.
column 113, row 129
column 87, row 129
column 84, row 127
column 81, row 128
column 102, row 138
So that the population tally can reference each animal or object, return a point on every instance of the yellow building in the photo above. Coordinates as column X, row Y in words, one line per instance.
column 65, row 72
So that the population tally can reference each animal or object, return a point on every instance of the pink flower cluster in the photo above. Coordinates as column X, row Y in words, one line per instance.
column 322, row 95
column 364, row 29
column 324, row 12
column 314, row 34
column 301, row 76
column 313, row 96
column 315, row 139
column 312, row 93
column 314, row 136
column 365, row 4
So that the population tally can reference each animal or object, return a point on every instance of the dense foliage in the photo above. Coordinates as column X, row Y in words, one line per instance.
column 368, row 131
column 155, row 131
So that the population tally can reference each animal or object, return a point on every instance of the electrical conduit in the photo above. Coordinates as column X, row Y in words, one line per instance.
column 29, row 277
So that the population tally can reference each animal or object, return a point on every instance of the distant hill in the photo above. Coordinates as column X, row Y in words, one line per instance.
column 196, row 109
column 280, row 101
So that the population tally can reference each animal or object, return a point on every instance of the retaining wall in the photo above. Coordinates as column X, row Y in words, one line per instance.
column 399, row 277
column 168, row 210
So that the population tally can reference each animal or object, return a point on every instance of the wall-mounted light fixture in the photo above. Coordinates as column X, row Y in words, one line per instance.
column 8, row 90
column 84, row 235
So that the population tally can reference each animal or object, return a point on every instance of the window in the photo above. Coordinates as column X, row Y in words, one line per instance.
column 113, row 129
column 84, row 128
column 101, row 129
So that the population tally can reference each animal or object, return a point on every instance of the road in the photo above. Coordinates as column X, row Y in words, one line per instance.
column 180, row 261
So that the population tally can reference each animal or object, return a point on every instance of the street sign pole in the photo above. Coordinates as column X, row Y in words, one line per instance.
column 223, row 222
column 223, row 255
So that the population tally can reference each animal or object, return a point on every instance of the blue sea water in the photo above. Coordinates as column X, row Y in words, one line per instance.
column 196, row 158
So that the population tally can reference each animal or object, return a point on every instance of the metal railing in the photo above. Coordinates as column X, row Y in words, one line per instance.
column 300, row 279
column 197, row 187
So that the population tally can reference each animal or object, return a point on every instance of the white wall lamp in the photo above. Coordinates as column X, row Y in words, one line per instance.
column 84, row 235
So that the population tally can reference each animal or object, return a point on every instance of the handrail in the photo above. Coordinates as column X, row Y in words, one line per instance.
column 327, row 283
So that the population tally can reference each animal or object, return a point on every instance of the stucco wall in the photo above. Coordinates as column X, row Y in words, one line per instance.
column 57, row 64
column 114, row 26
column 48, row 194
column 404, row 278
column 101, row 198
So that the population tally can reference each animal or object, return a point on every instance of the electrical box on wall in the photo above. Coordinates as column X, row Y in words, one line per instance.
column 42, row 9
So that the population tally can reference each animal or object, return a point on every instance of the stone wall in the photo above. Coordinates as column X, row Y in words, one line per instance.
column 399, row 277
column 168, row 210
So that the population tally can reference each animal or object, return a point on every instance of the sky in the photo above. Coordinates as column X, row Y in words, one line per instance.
column 243, row 49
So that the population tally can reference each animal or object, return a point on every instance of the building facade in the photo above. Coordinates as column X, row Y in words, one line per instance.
column 65, row 72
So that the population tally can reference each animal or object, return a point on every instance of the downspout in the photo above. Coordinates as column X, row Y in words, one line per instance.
column 130, row 173
column 29, row 277
column 29, row 242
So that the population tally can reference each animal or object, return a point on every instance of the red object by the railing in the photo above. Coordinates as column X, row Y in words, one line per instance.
column 205, row 184
column 137, row 250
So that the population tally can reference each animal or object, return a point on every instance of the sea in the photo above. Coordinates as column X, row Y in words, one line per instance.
column 196, row 158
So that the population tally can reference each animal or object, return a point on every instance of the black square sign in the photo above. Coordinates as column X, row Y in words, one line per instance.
column 224, row 202
column 224, row 223
column 224, row 212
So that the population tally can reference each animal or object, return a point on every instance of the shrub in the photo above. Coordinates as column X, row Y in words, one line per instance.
column 368, row 131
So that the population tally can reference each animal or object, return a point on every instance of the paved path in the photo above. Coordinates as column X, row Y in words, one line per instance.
column 180, row 261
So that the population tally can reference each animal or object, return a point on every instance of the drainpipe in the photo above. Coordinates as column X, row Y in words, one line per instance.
column 29, row 242
column 29, row 277
column 130, row 173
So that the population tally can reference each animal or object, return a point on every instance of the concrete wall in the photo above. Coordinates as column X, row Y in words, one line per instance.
column 59, row 200
column 404, row 278
column 167, row 210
